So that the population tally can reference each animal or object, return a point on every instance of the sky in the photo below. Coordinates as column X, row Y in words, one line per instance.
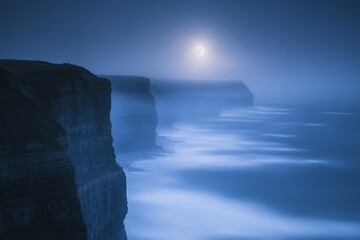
column 283, row 50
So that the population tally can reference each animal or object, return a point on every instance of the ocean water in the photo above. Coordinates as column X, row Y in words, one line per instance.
column 268, row 172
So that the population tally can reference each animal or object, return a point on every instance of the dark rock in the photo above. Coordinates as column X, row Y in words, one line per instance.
column 75, row 108
column 182, row 100
column 38, row 194
column 133, row 113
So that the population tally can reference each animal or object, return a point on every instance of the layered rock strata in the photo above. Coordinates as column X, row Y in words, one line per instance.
column 133, row 115
column 78, row 104
column 183, row 100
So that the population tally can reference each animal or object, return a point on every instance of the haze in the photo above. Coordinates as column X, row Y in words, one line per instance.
column 283, row 50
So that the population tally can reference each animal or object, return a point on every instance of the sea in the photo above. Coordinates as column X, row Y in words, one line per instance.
column 269, row 172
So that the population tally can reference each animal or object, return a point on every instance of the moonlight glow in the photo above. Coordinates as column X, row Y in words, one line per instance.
column 199, row 50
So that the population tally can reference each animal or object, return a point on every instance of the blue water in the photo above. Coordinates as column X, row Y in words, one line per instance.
column 259, row 173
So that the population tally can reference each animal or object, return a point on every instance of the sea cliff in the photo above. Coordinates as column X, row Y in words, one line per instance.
column 133, row 115
column 188, row 100
column 65, row 111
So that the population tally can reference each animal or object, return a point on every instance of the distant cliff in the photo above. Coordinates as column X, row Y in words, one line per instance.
column 133, row 114
column 182, row 100
column 139, row 104
column 55, row 125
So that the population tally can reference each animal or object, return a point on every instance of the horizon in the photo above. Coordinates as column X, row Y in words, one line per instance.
column 282, row 50
column 179, row 119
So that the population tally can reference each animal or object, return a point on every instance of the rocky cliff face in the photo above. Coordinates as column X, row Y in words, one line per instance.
column 133, row 115
column 38, row 194
column 182, row 100
column 78, row 103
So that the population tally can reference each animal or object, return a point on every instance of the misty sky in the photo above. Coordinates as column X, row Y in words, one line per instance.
column 281, row 49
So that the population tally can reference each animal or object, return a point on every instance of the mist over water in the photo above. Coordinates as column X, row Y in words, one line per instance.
column 284, row 50
column 268, row 172
column 285, row 170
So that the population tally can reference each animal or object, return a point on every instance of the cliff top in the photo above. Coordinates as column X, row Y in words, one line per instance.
column 129, row 84
column 24, row 67
column 27, row 89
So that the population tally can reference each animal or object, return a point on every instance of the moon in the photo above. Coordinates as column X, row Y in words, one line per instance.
column 199, row 50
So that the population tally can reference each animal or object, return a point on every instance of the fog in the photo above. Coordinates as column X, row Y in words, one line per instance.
column 243, row 123
column 258, row 173
column 284, row 50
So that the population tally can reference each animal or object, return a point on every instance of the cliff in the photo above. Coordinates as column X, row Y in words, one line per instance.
column 182, row 100
column 67, row 108
column 133, row 115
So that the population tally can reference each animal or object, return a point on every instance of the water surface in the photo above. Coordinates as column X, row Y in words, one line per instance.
column 257, row 173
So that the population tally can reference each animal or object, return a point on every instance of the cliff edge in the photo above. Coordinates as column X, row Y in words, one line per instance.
column 133, row 115
column 57, row 161
column 187, row 100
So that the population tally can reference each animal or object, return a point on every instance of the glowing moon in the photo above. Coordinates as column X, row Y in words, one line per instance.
column 199, row 51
